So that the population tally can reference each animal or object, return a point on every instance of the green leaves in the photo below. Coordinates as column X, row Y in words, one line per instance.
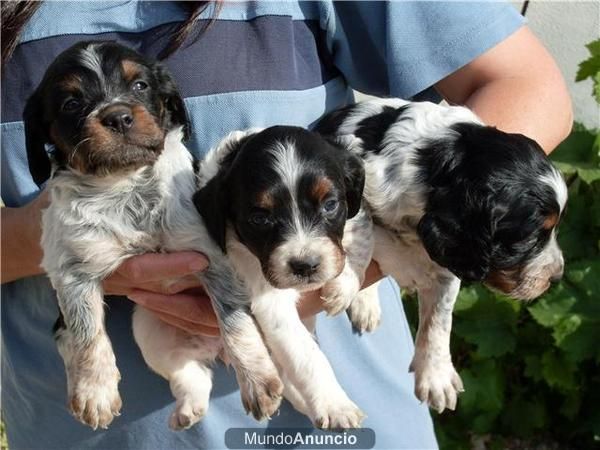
column 488, row 324
column 590, row 68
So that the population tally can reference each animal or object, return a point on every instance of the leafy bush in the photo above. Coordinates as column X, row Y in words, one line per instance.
column 531, row 369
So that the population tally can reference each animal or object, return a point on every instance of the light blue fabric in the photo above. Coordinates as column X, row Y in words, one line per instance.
column 397, row 48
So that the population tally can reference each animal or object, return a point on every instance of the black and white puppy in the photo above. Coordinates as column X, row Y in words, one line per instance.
column 285, row 206
column 123, row 184
column 451, row 199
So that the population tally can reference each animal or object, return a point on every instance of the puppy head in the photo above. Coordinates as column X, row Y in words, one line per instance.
column 287, row 193
column 105, row 109
column 493, row 209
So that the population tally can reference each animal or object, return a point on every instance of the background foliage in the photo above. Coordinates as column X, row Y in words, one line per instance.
column 531, row 369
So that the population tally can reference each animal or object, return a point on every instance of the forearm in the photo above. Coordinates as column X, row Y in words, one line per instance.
column 523, row 106
column 20, row 239
column 516, row 87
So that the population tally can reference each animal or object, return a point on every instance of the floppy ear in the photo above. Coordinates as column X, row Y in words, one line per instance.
column 172, row 100
column 36, row 137
column 354, row 178
column 460, row 235
column 211, row 203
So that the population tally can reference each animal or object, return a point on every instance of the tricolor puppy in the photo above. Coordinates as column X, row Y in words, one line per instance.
column 452, row 199
column 278, row 201
column 122, row 185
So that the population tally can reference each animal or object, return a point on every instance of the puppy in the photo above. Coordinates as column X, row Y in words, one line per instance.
column 278, row 201
column 122, row 186
column 452, row 199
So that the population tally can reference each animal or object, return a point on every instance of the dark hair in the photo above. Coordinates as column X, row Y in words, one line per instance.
column 16, row 14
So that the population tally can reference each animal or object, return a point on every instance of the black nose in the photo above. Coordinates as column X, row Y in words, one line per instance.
column 306, row 266
column 118, row 119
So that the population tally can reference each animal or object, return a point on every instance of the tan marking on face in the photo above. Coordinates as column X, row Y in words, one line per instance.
column 550, row 221
column 505, row 280
column 70, row 83
column 131, row 70
column 265, row 200
column 144, row 123
column 320, row 189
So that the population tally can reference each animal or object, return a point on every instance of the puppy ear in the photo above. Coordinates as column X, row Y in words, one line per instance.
column 36, row 137
column 172, row 100
column 210, row 201
column 354, row 178
column 461, row 239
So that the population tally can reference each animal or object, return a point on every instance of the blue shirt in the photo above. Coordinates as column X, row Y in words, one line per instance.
column 260, row 64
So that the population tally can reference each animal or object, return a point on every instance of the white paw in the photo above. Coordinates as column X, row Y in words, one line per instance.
column 436, row 382
column 94, row 396
column 339, row 415
column 339, row 293
column 365, row 313
column 188, row 411
column 261, row 394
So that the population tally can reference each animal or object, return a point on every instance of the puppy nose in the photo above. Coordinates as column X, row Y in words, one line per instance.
column 118, row 119
column 306, row 266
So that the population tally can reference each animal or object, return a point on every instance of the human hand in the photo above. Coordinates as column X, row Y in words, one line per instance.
column 21, row 231
column 165, row 284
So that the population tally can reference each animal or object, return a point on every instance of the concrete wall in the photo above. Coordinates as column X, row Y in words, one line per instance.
column 565, row 27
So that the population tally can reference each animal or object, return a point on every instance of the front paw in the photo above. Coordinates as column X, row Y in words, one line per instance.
column 338, row 294
column 338, row 414
column 365, row 312
column 436, row 382
column 261, row 395
column 94, row 398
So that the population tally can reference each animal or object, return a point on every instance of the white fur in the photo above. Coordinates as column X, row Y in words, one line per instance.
column 91, row 226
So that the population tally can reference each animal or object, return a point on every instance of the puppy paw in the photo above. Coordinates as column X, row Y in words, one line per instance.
column 188, row 412
column 339, row 415
column 365, row 312
column 436, row 382
column 191, row 388
column 94, row 398
column 261, row 396
column 339, row 293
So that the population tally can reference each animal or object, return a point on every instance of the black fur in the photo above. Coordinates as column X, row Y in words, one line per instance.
column 484, row 209
column 373, row 128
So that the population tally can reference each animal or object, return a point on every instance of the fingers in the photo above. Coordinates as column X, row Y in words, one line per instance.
column 161, row 266
column 188, row 327
column 117, row 284
column 191, row 307
column 310, row 304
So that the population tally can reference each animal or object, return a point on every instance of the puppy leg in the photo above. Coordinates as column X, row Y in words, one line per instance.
column 260, row 386
column 92, row 374
column 302, row 362
column 404, row 258
column 364, row 311
column 436, row 380
column 182, row 359
column 338, row 293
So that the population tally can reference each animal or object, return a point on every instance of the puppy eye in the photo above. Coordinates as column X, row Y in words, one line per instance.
column 260, row 220
column 330, row 206
column 71, row 104
column 139, row 86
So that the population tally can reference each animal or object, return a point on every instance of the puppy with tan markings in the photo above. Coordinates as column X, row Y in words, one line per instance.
column 451, row 199
column 286, row 207
column 122, row 185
